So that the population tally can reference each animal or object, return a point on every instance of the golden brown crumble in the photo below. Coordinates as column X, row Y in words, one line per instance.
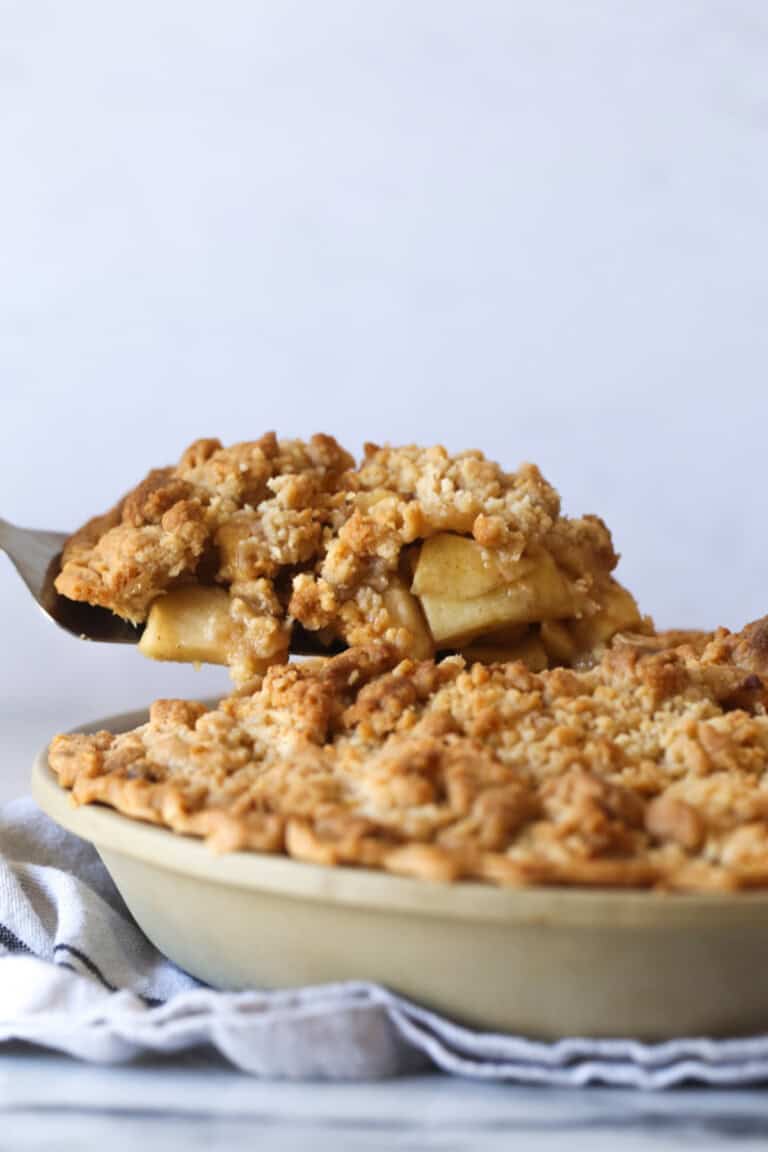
column 648, row 769
column 301, row 536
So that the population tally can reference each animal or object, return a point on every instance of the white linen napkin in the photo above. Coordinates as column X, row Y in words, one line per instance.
column 78, row 975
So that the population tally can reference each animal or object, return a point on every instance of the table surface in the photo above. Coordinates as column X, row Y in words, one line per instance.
column 50, row 1101
column 47, row 1101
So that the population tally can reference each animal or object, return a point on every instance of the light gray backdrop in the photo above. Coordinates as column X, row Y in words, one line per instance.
column 536, row 228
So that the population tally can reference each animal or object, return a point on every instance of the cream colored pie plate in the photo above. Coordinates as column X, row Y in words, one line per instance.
column 544, row 962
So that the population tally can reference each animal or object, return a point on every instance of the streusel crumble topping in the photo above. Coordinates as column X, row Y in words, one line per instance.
column 648, row 769
column 298, row 535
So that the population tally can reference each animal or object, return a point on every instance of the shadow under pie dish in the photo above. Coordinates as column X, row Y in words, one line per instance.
column 240, row 555
column 546, row 948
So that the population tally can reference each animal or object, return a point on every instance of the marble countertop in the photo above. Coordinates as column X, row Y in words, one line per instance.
column 49, row 1101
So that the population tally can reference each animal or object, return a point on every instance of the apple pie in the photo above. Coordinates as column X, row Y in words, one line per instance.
column 648, row 769
column 239, row 555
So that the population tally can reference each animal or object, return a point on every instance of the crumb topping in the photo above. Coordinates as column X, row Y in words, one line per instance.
column 301, row 535
column 646, row 770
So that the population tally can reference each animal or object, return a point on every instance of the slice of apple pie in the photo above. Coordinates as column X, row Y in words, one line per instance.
column 647, row 769
column 237, row 555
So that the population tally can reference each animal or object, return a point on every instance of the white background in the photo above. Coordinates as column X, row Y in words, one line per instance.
column 536, row 228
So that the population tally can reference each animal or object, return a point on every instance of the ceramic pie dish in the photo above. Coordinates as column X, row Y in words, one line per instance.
column 543, row 962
